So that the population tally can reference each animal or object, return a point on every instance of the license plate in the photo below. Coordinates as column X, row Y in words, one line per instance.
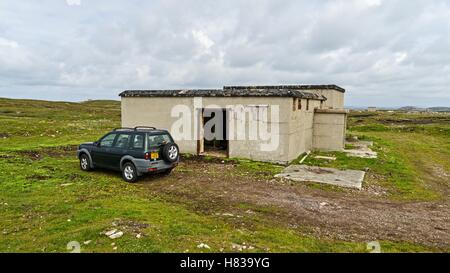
column 154, row 155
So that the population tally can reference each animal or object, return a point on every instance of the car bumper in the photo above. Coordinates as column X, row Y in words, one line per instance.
column 146, row 166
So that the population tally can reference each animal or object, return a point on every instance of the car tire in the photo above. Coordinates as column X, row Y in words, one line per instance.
column 85, row 163
column 129, row 172
column 171, row 152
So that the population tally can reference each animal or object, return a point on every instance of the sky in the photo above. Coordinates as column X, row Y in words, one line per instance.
column 384, row 53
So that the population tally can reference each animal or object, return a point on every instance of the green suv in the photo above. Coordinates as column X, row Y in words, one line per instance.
column 133, row 151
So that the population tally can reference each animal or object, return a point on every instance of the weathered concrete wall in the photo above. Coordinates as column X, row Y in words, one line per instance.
column 335, row 98
column 301, row 128
column 156, row 111
column 329, row 129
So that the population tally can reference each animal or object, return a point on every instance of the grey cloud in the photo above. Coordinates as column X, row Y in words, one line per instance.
column 383, row 52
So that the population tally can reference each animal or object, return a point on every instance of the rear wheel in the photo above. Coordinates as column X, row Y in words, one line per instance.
column 129, row 172
column 85, row 163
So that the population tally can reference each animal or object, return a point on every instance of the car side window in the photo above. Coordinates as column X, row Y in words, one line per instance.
column 108, row 141
column 122, row 141
column 138, row 142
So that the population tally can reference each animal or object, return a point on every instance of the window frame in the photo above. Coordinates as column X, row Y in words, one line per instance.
column 127, row 145
column 105, row 136
column 144, row 136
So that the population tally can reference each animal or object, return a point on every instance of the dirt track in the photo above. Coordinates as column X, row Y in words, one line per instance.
column 348, row 215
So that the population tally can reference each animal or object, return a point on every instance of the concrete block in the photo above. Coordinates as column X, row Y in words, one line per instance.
column 303, row 173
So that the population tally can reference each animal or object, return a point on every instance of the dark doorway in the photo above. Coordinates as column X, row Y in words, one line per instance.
column 218, row 146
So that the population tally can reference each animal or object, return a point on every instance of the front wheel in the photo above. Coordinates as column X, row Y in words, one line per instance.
column 85, row 163
column 129, row 172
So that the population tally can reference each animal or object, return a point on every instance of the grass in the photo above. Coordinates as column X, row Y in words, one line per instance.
column 43, row 211
column 30, row 124
column 47, row 202
column 410, row 157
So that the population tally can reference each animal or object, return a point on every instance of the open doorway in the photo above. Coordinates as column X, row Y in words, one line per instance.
column 214, row 139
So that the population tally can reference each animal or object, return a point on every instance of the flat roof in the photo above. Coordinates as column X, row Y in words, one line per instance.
column 293, row 91
column 289, row 87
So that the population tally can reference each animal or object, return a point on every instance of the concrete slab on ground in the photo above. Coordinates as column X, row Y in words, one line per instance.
column 361, row 149
column 343, row 178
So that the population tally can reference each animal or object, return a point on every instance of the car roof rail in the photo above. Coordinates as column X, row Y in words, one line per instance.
column 144, row 127
column 123, row 129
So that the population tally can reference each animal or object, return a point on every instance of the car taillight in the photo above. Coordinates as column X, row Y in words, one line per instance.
column 147, row 156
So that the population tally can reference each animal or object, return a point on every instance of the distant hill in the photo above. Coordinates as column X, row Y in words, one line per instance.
column 439, row 109
column 419, row 109
column 412, row 109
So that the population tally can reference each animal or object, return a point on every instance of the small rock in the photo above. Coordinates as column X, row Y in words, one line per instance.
column 115, row 248
column 111, row 232
column 113, row 244
column 116, row 235
column 138, row 236
column 237, row 246
column 202, row 245
column 69, row 220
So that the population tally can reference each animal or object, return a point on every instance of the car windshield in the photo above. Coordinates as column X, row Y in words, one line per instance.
column 158, row 140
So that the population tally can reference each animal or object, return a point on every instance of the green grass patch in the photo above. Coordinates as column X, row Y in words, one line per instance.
column 46, row 201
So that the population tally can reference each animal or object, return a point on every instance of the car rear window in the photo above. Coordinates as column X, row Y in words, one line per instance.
column 158, row 140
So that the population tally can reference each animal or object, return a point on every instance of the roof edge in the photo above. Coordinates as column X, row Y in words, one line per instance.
column 297, row 87
column 223, row 93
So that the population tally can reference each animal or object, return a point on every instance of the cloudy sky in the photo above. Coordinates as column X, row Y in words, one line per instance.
column 384, row 52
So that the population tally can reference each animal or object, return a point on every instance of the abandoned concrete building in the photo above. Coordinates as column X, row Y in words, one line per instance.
column 308, row 117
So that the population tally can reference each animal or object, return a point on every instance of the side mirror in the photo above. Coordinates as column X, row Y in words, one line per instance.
column 96, row 143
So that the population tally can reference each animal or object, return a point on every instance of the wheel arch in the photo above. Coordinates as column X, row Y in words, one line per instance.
column 126, row 159
column 86, row 152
